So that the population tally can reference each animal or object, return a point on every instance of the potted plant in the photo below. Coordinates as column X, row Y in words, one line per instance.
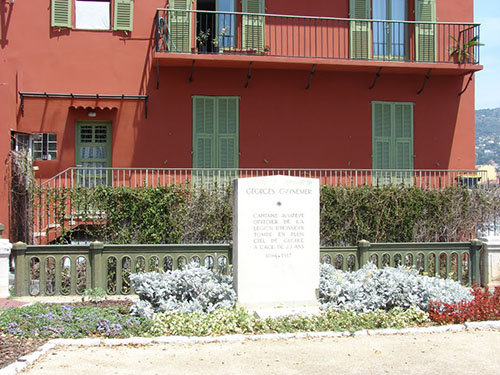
column 215, row 42
column 202, row 39
column 462, row 52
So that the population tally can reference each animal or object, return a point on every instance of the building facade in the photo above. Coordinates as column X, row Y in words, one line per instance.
column 348, row 84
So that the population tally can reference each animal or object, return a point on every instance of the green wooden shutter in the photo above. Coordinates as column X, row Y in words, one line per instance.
column 403, row 142
column 124, row 15
column 179, row 26
column 204, row 131
column 60, row 13
column 403, row 135
column 360, row 31
column 382, row 135
column 227, row 134
column 425, row 11
column 392, row 142
column 253, row 27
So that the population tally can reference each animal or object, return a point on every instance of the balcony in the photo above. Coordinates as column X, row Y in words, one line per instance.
column 215, row 37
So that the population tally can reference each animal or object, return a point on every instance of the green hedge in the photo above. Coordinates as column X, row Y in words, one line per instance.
column 175, row 214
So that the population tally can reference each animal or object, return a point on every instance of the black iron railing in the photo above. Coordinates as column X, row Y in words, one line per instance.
column 230, row 33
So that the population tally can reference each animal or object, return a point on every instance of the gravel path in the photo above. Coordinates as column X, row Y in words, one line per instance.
column 465, row 352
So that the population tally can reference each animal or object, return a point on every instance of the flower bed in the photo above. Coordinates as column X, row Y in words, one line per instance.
column 367, row 299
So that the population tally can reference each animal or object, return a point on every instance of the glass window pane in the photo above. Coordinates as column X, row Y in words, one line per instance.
column 101, row 134
column 92, row 15
column 86, row 134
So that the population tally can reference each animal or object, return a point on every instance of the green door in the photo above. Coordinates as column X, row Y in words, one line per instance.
column 215, row 137
column 392, row 143
column 92, row 152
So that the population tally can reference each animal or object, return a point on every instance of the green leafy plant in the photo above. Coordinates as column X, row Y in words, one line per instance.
column 240, row 321
column 462, row 51
column 203, row 37
column 94, row 294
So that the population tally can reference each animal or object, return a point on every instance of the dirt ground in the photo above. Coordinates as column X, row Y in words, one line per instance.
column 443, row 353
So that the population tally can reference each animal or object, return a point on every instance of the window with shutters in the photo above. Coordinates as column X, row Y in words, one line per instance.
column 215, row 131
column 389, row 40
column 92, row 14
column 392, row 142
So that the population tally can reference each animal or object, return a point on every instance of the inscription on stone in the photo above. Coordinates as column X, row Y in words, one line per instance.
column 276, row 241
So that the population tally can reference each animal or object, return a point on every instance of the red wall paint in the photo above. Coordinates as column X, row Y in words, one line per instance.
column 328, row 126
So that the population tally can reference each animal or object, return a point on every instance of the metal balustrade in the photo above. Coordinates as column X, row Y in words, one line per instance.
column 71, row 269
column 259, row 34
column 139, row 177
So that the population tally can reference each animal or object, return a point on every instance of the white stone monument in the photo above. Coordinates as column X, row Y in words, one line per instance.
column 276, row 244
column 5, row 247
column 491, row 260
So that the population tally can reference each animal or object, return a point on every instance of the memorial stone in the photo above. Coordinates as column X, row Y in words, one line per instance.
column 276, row 242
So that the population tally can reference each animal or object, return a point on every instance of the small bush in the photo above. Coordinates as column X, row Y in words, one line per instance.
column 192, row 289
column 66, row 321
column 223, row 321
column 484, row 306
column 370, row 289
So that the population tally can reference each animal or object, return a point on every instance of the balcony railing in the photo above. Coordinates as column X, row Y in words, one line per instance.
column 138, row 177
column 237, row 33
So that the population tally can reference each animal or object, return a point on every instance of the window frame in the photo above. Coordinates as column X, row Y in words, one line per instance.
column 121, row 17
column 38, row 149
column 110, row 12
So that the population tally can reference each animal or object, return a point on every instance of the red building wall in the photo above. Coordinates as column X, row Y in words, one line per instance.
column 281, row 124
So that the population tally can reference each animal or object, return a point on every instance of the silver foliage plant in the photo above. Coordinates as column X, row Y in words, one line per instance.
column 193, row 289
column 370, row 288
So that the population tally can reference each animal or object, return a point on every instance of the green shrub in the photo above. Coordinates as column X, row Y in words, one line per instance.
column 178, row 214
column 239, row 321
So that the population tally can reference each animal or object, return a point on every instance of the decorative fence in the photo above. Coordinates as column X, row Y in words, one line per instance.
column 71, row 269
column 226, row 33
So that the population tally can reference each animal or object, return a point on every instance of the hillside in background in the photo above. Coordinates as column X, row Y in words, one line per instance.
column 488, row 136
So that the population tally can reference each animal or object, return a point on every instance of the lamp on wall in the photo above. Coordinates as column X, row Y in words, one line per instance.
column 92, row 114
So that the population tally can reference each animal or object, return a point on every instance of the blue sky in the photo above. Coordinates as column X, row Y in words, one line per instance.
column 487, row 13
